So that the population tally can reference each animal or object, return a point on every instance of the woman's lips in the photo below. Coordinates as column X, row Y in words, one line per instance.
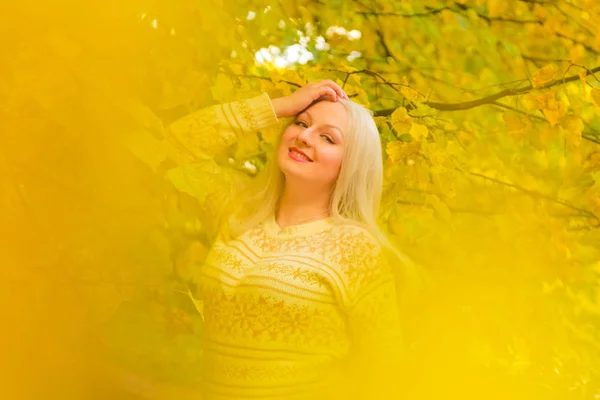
column 298, row 155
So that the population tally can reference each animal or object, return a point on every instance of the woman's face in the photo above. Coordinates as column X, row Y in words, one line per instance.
column 312, row 146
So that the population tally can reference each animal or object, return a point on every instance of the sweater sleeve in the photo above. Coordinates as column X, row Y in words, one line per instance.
column 211, row 131
column 374, row 324
column 193, row 152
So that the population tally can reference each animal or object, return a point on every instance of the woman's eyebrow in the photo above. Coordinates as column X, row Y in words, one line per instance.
column 334, row 127
column 338, row 134
column 325, row 125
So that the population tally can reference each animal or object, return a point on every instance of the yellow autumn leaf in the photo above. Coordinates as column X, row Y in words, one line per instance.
column 439, row 206
column 355, row 78
column 266, row 86
column 195, row 253
column 147, row 148
column 418, row 131
column 538, row 99
column 285, row 88
column 573, row 127
column 275, row 76
column 592, row 162
column 498, row 8
column 577, row 53
column 596, row 96
column 222, row 89
column 347, row 68
column 145, row 117
column 516, row 124
column 198, row 304
column 272, row 133
column 554, row 111
column 401, row 121
column 543, row 75
column 195, row 179
column 582, row 78
column 539, row 11
column 408, row 92
column 530, row 101
column 399, row 151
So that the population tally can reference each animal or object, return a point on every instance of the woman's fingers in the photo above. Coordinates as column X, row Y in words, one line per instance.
column 288, row 106
column 340, row 92
column 327, row 91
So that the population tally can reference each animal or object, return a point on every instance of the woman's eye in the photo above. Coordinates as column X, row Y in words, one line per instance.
column 302, row 124
column 327, row 138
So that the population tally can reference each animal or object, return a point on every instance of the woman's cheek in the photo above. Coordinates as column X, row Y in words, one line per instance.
column 332, row 159
column 289, row 133
column 335, row 155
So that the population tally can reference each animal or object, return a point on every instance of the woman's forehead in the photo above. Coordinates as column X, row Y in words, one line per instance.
column 327, row 112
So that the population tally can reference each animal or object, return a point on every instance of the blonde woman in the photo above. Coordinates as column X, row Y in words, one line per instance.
column 298, row 299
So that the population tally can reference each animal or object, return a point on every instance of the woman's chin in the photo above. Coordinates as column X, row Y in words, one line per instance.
column 293, row 173
column 292, row 166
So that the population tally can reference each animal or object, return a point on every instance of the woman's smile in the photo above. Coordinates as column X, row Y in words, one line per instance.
column 296, row 154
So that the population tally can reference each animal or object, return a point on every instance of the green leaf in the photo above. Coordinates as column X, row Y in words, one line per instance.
column 406, row 137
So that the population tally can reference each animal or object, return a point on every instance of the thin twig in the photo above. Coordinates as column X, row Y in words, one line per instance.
column 535, row 194
column 264, row 78
column 397, row 14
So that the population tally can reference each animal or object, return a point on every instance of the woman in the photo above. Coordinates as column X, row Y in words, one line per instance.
column 298, row 299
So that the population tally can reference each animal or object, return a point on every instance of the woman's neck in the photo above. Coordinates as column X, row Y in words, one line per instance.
column 301, row 206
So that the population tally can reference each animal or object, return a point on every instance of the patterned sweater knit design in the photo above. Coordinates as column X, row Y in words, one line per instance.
column 304, row 312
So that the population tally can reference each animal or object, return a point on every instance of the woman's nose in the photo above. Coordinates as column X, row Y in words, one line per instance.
column 305, row 137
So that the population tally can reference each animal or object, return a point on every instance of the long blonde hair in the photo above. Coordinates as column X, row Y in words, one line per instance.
column 356, row 196
column 357, row 191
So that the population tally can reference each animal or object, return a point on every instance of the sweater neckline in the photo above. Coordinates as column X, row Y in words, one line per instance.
column 304, row 229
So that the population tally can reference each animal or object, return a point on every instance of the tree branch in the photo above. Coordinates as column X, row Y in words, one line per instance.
column 462, row 7
column 570, row 17
column 397, row 14
column 585, row 46
column 489, row 19
column 386, row 49
column 489, row 99
column 435, row 11
column 377, row 76
column 537, row 1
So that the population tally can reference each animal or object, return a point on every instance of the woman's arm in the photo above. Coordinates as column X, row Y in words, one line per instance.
column 213, row 130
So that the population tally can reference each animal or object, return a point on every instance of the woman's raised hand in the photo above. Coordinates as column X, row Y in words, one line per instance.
column 303, row 97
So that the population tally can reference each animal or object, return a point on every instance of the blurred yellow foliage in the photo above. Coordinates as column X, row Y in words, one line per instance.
column 496, row 197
